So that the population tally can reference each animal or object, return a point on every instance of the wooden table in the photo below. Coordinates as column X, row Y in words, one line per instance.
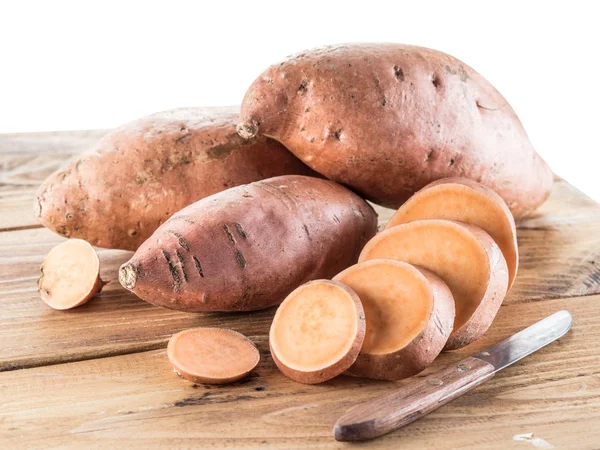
column 98, row 376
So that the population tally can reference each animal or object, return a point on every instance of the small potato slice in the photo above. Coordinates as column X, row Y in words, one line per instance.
column 317, row 331
column 464, row 200
column 464, row 256
column 212, row 355
column 409, row 313
column 70, row 275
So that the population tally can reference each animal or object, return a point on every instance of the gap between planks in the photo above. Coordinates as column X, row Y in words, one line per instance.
column 20, row 228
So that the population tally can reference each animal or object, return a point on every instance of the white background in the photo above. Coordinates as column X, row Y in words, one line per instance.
column 77, row 65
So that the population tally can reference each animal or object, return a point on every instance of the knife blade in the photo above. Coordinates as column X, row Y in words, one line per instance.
column 527, row 341
column 412, row 401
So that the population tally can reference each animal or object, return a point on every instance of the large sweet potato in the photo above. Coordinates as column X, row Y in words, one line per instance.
column 137, row 176
column 387, row 119
column 248, row 247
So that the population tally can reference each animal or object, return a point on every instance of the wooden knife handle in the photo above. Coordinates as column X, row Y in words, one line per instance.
column 411, row 401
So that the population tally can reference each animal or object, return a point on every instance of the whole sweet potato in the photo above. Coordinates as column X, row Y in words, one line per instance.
column 136, row 177
column 388, row 119
column 248, row 247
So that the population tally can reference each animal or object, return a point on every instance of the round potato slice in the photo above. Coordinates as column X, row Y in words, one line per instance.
column 317, row 332
column 212, row 355
column 409, row 313
column 70, row 275
column 464, row 200
column 464, row 256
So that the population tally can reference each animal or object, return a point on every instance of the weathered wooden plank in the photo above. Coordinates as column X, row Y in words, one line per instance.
column 560, row 257
column 48, row 143
column 135, row 401
column 116, row 322
column 25, row 161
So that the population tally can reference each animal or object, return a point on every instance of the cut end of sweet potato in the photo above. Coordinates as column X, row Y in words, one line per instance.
column 464, row 256
column 464, row 200
column 212, row 355
column 247, row 130
column 409, row 315
column 317, row 331
column 70, row 275
column 127, row 276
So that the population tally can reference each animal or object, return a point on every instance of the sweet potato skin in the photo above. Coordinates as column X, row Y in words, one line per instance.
column 137, row 176
column 387, row 119
column 248, row 247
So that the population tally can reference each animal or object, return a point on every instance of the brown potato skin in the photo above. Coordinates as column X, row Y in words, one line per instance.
column 137, row 176
column 388, row 119
column 320, row 376
column 254, row 243
column 421, row 351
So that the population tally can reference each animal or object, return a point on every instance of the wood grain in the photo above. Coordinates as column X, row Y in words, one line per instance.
column 98, row 376
column 25, row 161
column 135, row 401
column 412, row 401
column 560, row 257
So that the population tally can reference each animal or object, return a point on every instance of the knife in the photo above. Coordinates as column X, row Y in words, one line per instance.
column 412, row 401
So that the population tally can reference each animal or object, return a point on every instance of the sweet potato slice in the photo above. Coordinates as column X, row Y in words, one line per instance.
column 317, row 331
column 212, row 355
column 464, row 256
column 70, row 275
column 467, row 201
column 409, row 313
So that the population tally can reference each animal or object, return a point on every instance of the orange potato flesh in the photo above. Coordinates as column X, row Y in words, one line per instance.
column 212, row 355
column 70, row 275
column 397, row 304
column 462, row 255
column 409, row 314
column 464, row 200
column 317, row 331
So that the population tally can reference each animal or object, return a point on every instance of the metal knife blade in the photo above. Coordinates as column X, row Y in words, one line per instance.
column 527, row 341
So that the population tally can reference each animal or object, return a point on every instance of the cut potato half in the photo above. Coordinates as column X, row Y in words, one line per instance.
column 409, row 313
column 212, row 355
column 70, row 275
column 464, row 256
column 467, row 201
column 317, row 332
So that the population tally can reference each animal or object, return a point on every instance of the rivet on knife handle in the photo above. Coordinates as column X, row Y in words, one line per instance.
column 411, row 401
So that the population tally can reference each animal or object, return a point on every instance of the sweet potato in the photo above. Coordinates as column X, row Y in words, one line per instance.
column 70, row 275
column 212, row 355
column 118, row 193
column 464, row 200
column 317, row 332
column 387, row 119
column 248, row 247
column 464, row 256
column 409, row 313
